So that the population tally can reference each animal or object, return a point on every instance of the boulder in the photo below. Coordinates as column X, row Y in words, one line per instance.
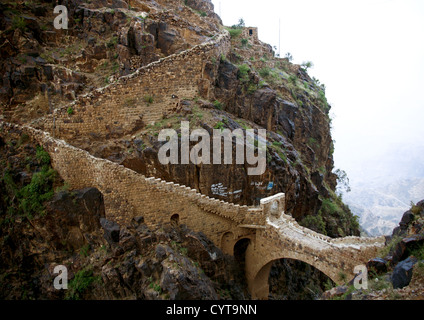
column 406, row 246
column 377, row 266
column 402, row 274
column 111, row 231
column 182, row 280
column 160, row 252
column 334, row 293
column 421, row 205
column 407, row 218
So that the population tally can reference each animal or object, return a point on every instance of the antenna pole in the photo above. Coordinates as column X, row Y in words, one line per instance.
column 279, row 37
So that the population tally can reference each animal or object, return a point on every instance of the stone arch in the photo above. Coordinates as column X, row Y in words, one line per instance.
column 259, row 285
column 230, row 238
column 175, row 219
column 296, row 280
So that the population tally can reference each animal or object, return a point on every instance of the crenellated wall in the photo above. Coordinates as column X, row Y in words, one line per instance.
column 128, row 194
column 140, row 98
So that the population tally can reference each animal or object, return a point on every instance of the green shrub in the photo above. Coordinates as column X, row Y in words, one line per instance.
column 265, row 72
column 315, row 223
column 80, row 283
column 289, row 56
column 42, row 156
column 112, row 42
column 148, row 99
column 380, row 283
column 220, row 125
column 342, row 276
column 330, row 207
column 234, row 32
column 38, row 191
column 217, row 104
column 244, row 42
column 312, row 142
column 84, row 251
column 19, row 23
column 243, row 74
column 252, row 88
column 293, row 79
column 323, row 99
column 70, row 111
column 416, row 210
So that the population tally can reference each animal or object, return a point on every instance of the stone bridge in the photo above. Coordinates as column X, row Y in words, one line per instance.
column 268, row 233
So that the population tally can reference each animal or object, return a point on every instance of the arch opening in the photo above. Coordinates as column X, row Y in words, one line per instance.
column 175, row 219
column 240, row 249
column 291, row 279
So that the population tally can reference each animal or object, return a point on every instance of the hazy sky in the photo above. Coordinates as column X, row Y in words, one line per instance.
column 370, row 56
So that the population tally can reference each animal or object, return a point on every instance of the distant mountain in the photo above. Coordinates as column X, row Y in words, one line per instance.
column 383, row 184
column 381, row 204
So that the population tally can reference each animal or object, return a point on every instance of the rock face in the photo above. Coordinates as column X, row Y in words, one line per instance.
column 402, row 274
column 105, row 40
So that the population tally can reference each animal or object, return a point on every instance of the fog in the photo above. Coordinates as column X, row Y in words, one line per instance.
column 370, row 56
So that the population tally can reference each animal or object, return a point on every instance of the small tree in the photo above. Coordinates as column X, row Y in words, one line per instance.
column 241, row 23
column 307, row 65
column 342, row 181
column 289, row 56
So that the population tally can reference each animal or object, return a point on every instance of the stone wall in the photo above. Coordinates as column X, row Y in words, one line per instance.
column 128, row 194
column 123, row 107
column 250, row 33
